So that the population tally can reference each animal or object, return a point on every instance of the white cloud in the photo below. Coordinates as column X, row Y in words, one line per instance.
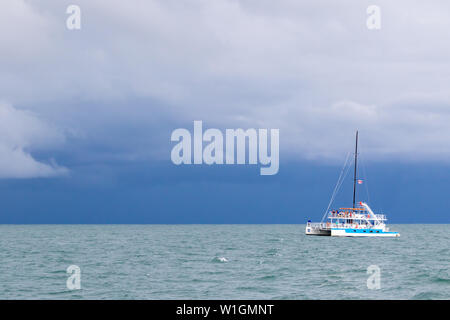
column 20, row 132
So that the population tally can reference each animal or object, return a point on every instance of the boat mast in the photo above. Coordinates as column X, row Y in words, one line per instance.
column 354, row 175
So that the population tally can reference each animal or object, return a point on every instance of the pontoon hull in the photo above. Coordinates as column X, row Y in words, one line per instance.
column 317, row 232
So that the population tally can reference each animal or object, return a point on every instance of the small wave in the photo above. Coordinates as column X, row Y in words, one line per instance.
column 220, row 259
column 268, row 277
column 273, row 252
column 247, row 288
column 426, row 296
column 440, row 279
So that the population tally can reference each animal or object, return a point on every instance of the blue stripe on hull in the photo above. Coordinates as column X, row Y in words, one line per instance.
column 376, row 231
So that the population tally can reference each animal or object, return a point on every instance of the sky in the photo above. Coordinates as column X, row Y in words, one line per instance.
column 86, row 115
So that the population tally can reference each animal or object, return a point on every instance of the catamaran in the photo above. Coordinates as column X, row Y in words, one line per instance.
column 357, row 221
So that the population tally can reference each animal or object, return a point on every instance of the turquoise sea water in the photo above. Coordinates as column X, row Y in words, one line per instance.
column 220, row 262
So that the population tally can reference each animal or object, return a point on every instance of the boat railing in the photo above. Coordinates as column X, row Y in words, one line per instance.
column 331, row 225
column 348, row 215
column 364, row 225
column 319, row 225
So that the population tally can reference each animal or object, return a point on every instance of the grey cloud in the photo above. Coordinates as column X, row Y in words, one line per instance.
column 313, row 70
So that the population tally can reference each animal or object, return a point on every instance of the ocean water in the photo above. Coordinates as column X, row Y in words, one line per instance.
column 220, row 262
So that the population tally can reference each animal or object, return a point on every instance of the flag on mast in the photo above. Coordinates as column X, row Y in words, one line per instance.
column 360, row 181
